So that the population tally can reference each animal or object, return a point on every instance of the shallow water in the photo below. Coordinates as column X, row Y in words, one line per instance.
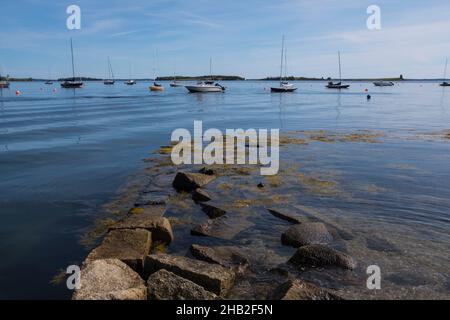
column 64, row 154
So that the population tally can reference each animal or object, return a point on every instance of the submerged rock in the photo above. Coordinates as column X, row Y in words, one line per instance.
column 110, row 279
column 301, row 290
column 225, row 227
column 317, row 255
column 213, row 211
column 285, row 214
column 305, row 234
column 149, row 210
column 207, row 171
column 186, row 181
column 199, row 195
column 212, row 277
column 260, row 185
column 128, row 245
column 380, row 244
column 159, row 226
column 152, row 199
column 226, row 256
column 165, row 285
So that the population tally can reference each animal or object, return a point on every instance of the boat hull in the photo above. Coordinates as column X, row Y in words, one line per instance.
column 383, row 84
column 338, row 86
column 173, row 85
column 445, row 84
column 275, row 89
column 108, row 82
column 156, row 88
column 73, row 85
column 195, row 89
column 4, row 85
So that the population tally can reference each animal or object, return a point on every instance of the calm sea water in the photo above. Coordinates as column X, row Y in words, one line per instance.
column 64, row 153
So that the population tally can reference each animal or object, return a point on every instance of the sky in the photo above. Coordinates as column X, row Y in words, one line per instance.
column 163, row 37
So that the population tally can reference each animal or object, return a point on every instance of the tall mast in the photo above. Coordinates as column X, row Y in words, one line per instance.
column 445, row 69
column 282, row 58
column 210, row 69
column 285, row 64
column 73, row 65
column 340, row 74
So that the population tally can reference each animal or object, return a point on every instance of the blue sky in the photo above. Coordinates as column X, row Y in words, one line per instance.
column 242, row 37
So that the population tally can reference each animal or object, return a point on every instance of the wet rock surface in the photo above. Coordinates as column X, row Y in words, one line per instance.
column 128, row 245
column 305, row 234
column 165, row 285
column 186, row 181
column 379, row 244
column 225, row 227
column 287, row 215
column 199, row 195
column 160, row 227
column 212, row 277
column 301, row 290
column 321, row 256
column 110, row 279
column 212, row 210
column 226, row 256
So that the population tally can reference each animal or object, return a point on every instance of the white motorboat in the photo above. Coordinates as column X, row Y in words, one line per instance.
column 383, row 83
column 206, row 86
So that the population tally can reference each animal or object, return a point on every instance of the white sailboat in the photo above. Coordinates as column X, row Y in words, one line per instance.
column 338, row 85
column 130, row 82
column 284, row 86
column 110, row 80
column 445, row 83
column 206, row 86
column 4, row 84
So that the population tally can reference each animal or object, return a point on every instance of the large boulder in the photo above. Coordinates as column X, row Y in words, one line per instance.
column 225, row 227
column 128, row 245
column 305, row 234
column 109, row 279
column 186, row 181
column 159, row 226
column 212, row 210
column 226, row 256
column 212, row 277
column 301, row 290
column 321, row 256
column 165, row 285
column 287, row 215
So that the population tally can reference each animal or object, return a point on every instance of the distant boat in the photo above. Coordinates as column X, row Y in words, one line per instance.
column 339, row 84
column 4, row 84
column 206, row 86
column 72, row 83
column 175, row 83
column 48, row 82
column 284, row 85
column 156, row 87
column 445, row 83
column 383, row 83
column 110, row 80
column 130, row 82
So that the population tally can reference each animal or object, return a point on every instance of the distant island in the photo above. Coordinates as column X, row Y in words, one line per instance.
column 292, row 78
column 202, row 78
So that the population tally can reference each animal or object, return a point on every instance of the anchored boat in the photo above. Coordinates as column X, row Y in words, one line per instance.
column 72, row 83
column 156, row 87
column 383, row 83
column 110, row 80
column 206, row 86
column 284, row 85
column 445, row 83
column 339, row 84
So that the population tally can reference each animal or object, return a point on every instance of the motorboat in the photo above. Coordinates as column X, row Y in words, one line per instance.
column 130, row 82
column 206, row 86
column 383, row 83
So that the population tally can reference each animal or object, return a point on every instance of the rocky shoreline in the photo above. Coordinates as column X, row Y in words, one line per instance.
column 128, row 265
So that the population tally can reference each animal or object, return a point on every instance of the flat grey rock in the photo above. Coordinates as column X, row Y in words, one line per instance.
column 321, row 256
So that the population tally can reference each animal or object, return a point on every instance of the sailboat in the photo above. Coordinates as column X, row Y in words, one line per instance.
column 175, row 83
column 206, row 86
column 72, row 83
column 110, row 80
column 4, row 84
column 382, row 83
column 284, row 85
column 130, row 82
column 445, row 83
column 156, row 86
column 338, row 85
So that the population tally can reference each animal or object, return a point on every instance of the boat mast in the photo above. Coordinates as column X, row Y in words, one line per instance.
column 445, row 69
column 111, row 73
column 282, row 58
column 210, row 69
column 73, row 65
column 340, row 74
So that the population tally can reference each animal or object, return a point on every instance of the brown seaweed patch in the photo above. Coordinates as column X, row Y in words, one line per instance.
column 274, row 181
column 101, row 226
column 316, row 185
column 59, row 277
